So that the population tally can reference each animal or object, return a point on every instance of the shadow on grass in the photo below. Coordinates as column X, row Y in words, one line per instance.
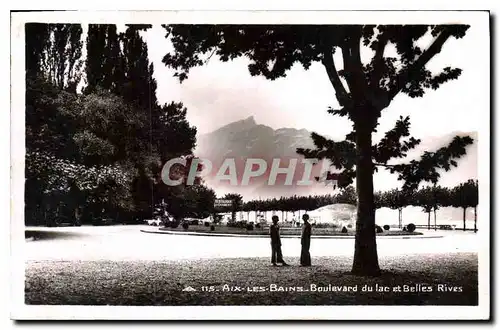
column 48, row 235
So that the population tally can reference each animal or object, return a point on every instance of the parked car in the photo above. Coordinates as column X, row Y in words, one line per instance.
column 154, row 222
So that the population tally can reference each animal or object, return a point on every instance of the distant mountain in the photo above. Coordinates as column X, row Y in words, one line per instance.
column 246, row 139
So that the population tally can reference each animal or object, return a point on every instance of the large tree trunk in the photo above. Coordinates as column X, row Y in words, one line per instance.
column 400, row 218
column 464, row 217
column 365, row 246
column 429, row 220
column 475, row 219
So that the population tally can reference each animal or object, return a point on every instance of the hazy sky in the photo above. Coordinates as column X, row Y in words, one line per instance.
column 219, row 93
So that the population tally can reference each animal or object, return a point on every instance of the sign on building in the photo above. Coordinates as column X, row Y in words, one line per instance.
column 223, row 203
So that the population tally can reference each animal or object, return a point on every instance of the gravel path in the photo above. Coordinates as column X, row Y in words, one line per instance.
column 252, row 281
column 128, row 243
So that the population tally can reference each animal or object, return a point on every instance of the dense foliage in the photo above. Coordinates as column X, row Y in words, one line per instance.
column 97, row 152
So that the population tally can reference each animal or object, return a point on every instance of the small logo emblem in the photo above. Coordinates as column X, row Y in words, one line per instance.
column 189, row 289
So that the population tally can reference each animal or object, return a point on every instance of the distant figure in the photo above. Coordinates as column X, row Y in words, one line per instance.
column 305, row 241
column 276, row 254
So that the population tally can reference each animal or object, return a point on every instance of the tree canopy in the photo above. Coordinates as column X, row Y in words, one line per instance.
column 102, row 148
column 363, row 91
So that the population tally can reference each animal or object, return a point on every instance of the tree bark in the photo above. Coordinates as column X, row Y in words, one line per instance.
column 429, row 220
column 400, row 218
column 464, row 217
column 365, row 246
column 475, row 219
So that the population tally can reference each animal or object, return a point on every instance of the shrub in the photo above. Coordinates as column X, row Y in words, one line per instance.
column 206, row 224
column 344, row 230
column 185, row 225
column 212, row 228
column 174, row 224
column 257, row 225
column 411, row 228
column 250, row 226
column 378, row 229
column 167, row 223
column 404, row 228
column 387, row 227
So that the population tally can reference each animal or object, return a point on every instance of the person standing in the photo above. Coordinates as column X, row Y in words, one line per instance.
column 276, row 254
column 305, row 241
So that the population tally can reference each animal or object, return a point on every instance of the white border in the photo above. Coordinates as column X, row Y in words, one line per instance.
column 21, row 311
column 254, row 17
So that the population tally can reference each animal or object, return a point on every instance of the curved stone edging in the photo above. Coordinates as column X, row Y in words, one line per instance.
column 192, row 233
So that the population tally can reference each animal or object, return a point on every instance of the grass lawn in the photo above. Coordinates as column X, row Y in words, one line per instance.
column 223, row 229
column 161, row 282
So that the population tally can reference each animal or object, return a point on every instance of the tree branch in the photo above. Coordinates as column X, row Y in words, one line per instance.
column 381, row 44
column 384, row 165
column 378, row 58
column 340, row 92
column 346, row 56
column 212, row 54
column 357, row 80
column 352, row 64
column 406, row 75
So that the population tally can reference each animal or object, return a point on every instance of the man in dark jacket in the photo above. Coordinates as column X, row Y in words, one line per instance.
column 276, row 254
column 305, row 241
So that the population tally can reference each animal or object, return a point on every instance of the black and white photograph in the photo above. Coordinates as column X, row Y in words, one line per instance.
column 250, row 165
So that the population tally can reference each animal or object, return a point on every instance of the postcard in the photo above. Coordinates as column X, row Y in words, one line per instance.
column 250, row 165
